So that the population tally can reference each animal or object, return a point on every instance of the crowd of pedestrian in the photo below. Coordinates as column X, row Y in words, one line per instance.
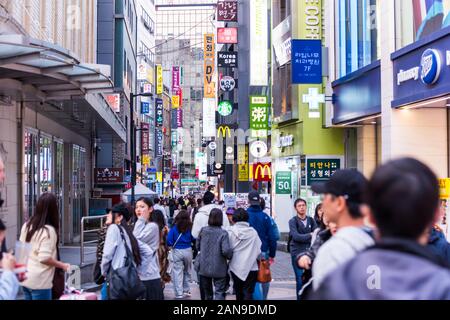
column 368, row 239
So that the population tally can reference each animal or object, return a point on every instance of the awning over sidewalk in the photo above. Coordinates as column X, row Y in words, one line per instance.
column 32, row 70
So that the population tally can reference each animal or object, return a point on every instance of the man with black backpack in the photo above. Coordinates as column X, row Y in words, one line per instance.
column 301, row 228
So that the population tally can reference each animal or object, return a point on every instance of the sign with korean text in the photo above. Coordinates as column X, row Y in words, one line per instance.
column 108, row 175
column 159, row 109
column 227, row 59
column 145, row 107
column 113, row 101
column 283, row 182
column 159, row 79
column 320, row 170
column 175, row 78
column 259, row 116
column 227, row 11
column 209, row 117
column 159, row 136
column 179, row 117
column 243, row 168
column 175, row 102
column 259, row 43
column 145, row 160
column 142, row 71
column 174, row 124
column 147, row 88
column 306, row 61
column 227, row 35
column 174, row 139
column 159, row 176
column 262, row 172
column 209, row 66
column 444, row 188
column 145, row 137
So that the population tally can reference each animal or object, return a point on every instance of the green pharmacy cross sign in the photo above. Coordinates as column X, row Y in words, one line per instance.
column 225, row 108
column 259, row 116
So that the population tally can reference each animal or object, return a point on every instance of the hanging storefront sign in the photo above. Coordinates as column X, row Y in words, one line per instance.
column 314, row 99
column 227, row 83
column 224, row 132
column 243, row 170
column 145, row 137
column 227, row 59
column 227, row 11
column 159, row 79
column 259, row 116
column 258, row 149
column 173, row 124
column 145, row 107
column 262, row 172
column 147, row 88
column 145, row 160
column 225, row 108
column 259, row 58
column 285, row 141
column 209, row 118
column 159, row 136
column 175, row 78
column 142, row 71
column 227, row 35
column 320, row 170
column 306, row 61
column 159, row 109
column 174, row 139
column 175, row 102
column 281, row 40
column 444, row 188
column 113, row 101
column 179, row 117
column 108, row 175
column 229, row 153
column 209, row 66
column 283, row 182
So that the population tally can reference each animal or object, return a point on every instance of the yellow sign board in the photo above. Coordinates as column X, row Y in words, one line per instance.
column 444, row 188
column 159, row 79
column 310, row 19
column 209, row 65
column 145, row 160
column 243, row 167
column 175, row 102
column 159, row 177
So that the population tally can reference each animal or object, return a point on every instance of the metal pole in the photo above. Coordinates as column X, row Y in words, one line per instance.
column 132, row 149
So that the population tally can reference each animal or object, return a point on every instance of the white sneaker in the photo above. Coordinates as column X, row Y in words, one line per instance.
column 187, row 294
column 179, row 297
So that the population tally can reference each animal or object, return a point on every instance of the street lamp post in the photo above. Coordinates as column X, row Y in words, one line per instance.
column 133, row 141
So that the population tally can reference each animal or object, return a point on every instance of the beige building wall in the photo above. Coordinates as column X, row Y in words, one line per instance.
column 70, row 24
column 420, row 133
column 367, row 149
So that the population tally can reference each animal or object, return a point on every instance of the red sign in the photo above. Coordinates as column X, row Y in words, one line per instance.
column 108, row 175
column 175, row 175
column 262, row 172
column 227, row 35
column 227, row 11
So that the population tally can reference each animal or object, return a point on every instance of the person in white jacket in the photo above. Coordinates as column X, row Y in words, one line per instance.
column 246, row 246
column 202, row 216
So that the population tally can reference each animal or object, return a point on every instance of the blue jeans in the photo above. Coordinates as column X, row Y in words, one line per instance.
column 104, row 291
column 298, row 275
column 44, row 294
column 262, row 289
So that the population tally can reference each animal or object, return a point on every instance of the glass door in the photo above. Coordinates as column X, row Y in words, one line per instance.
column 31, row 168
column 79, row 190
column 58, row 184
column 45, row 164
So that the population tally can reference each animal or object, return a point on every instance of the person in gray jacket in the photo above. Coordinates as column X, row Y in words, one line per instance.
column 403, row 196
column 148, row 233
column 214, row 247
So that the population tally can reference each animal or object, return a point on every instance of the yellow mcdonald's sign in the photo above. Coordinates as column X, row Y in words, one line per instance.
column 223, row 130
column 262, row 172
column 159, row 79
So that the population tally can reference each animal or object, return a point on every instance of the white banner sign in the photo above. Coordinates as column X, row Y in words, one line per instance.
column 209, row 117
column 259, row 60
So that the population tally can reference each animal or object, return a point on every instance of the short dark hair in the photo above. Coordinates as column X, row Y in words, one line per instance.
column 240, row 215
column 215, row 218
column 404, row 196
column 156, row 200
column 299, row 200
column 2, row 226
column 208, row 197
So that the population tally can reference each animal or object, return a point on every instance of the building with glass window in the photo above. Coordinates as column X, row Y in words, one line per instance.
column 52, row 111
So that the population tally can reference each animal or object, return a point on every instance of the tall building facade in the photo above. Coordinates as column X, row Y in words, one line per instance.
column 181, row 26
column 52, row 111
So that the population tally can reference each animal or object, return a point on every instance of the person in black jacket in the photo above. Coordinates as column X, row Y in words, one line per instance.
column 301, row 228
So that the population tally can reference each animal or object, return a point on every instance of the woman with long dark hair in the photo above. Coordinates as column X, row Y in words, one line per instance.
column 41, row 232
column 114, row 250
column 163, row 250
column 148, row 233
column 180, row 240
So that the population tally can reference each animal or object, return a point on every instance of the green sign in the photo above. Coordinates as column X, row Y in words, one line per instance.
column 189, row 180
column 225, row 108
column 259, row 116
column 283, row 182
column 320, row 170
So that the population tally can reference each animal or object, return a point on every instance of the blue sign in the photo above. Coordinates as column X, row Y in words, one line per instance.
column 306, row 61
column 151, row 170
column 431, row 66
column 145, row 107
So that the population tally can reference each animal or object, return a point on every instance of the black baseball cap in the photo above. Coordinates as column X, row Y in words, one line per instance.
column 122, row 210
column 348, row 183
column 254, row 198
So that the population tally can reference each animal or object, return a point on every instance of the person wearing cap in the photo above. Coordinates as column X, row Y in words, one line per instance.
column 403, row 203
column 301, row 228
column 263, row 224
column 202, row 216
column 343, row 198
